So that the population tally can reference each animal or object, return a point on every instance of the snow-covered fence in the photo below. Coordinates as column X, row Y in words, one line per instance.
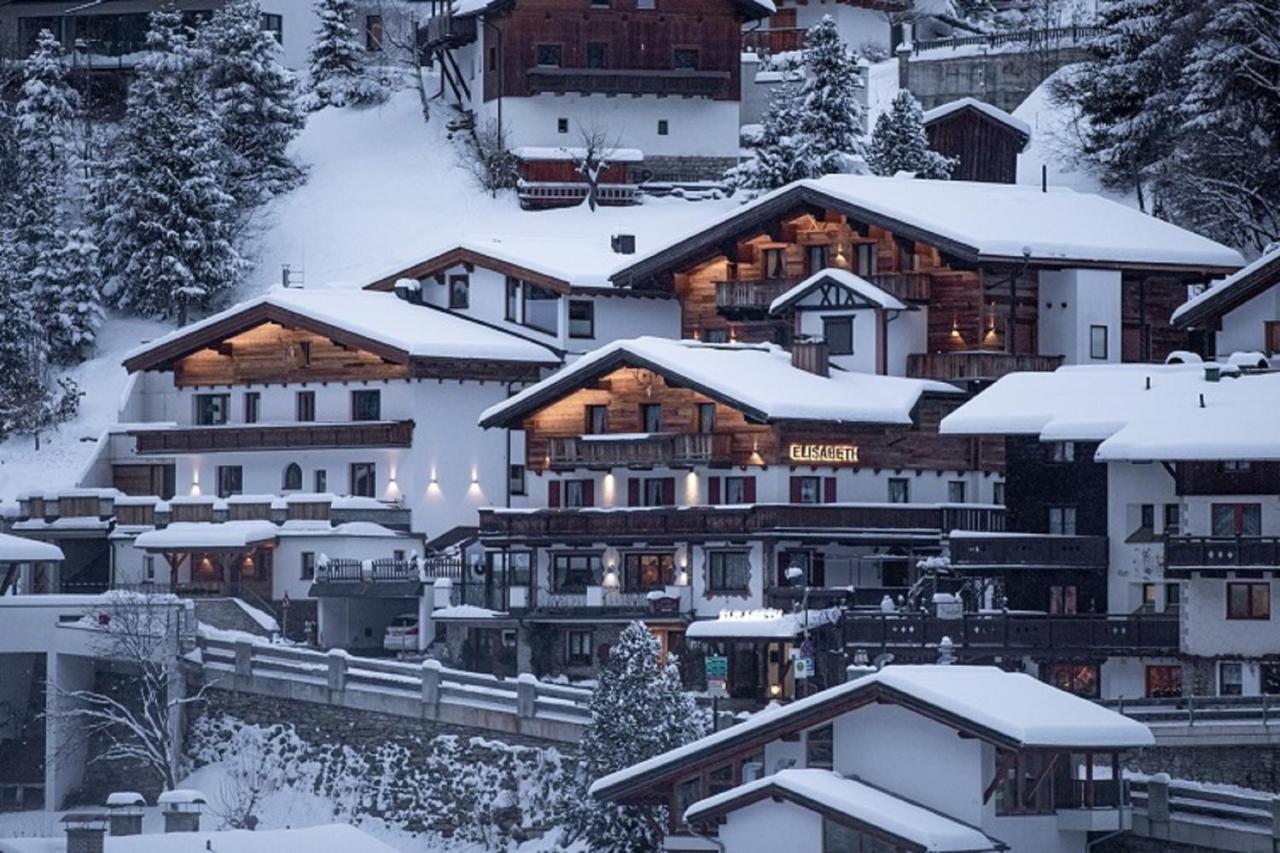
column 1012, row 39
column 1205, row 816
column 1206, row 720
column 522, row 705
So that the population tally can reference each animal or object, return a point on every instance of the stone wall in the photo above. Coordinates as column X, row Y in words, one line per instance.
column 1256, row 767
column 1004, row 79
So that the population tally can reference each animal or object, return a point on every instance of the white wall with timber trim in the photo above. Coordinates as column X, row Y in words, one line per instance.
column 1244, row 328
column 857, row 26
column 1072, row 301
column 1206, row 630
column 767, row 826
column 1140, row 561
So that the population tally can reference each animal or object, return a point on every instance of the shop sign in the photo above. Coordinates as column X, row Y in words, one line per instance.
column 822, row 454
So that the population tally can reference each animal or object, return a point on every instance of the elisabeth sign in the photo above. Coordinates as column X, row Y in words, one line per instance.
column 823, row 454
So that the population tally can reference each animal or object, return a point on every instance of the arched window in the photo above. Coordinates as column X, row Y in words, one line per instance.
column 292, row 477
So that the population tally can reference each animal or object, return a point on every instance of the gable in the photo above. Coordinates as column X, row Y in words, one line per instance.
column 468, row 259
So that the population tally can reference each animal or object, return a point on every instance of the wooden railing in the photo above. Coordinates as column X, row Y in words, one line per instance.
column 1031, row 38
column 616, row 602
column 534, row 193
column 1214, row 552
column 447, row 31
column 979, row 552
column 771, row 41
column 672, row 449
column 751, row 293
column 627, row 81
column 988, row 632
column 907, row 286
column 249, row 437
column 976, row 364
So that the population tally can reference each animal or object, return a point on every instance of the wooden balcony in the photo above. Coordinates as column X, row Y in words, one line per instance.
column 640, row 451
column 997, row 553
column 771, row 41
column 985, row 634
column 750, row 296
column 627, row 81
column 976, row 364
column 1218, row 555
column 291, row 436
column 446, row 31
column 907, row 286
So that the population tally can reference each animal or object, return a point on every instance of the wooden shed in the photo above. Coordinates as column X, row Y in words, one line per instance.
column 985, row 139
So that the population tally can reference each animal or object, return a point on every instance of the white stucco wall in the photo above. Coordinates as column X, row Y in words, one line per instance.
column 1207, row 631
column 1072, row 301
column 1243, row 329
column 770, row 827
column 1129, row 485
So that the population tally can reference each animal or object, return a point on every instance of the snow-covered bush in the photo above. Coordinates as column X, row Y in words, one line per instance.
column 489, row 159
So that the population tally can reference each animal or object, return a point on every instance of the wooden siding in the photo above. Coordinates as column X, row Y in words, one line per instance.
column 986, row 150
column 1148, row 303
column 1212, row 478
column 565, row 171
column 309, row 435
column 1033, row 484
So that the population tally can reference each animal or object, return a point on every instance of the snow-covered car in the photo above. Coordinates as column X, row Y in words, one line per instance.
column 402, row 634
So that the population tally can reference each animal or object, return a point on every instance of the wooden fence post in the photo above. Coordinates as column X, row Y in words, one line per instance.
column 244, row 658
column 526, row 695
column 431, row 682
column 337, row 671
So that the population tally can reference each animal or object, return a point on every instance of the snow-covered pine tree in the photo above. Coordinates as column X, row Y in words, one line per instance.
column 831, row 116
column 165, row 220
column 899, row 143
column 256, row 98
column 638, row 710
column 339, row 76
column 53, row 257
column 780, row 155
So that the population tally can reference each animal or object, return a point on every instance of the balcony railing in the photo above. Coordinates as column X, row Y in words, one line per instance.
column 907, row 286
column 311, row 435
column 976, row 364
column 982, row 632
column 1014, row 552
column 447, row 31
column 596, row 599
column 1201, row 553
column 627, row 81
column 385, row 570
column 640, row 450
column 751, row 294
column 769, row 42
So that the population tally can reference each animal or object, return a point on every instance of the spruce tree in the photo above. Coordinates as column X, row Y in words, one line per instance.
column 780, row 155
column 338, row 73
column 165, row 217
column 899, row 143
column 638, row 710
column 256, row 99
column 831, row 116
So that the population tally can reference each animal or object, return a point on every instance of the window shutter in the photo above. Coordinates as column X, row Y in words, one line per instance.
column 633, row 491
column 669, row 491
column 588, row 492
column 795, row 490
column 749, row 489
column 829, row 490
column 713, row 490
column 553, row 493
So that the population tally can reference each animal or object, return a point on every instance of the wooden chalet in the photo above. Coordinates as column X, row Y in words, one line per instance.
column 984, row 140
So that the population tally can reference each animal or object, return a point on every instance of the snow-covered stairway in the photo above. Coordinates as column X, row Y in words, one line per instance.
column 229, row 614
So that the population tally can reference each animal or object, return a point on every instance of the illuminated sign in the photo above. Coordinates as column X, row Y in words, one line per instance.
column 823, row 454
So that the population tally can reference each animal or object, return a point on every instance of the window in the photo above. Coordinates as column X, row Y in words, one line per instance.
column 956, row 491
column 1269, row 678
column 685, row 59
column 366, row 405
column 840, row 838
column 720, row 780
column 574, row 572
column 1098, row 342
column 1230, row 678
column 321, row 479
column 373, row 32
column 664, row 128
column 1237, row 519
column 292, row 479
column 273, row 24
column 715, row 336
column 997, row 493
column 1164, row 681
column 513, row 300
column 212, row 409
column 597, row 54
column 818, row 258
column 819, row 748
column 493, row 58
column 252, row 405
column 866, row 257
column 459, row 291
column 775, row 265
column 1062, row 520
column 688, row 792
column 363, row 479
column 739, row 490
column 1249, row 600
column 516, row 480
column 899, row 490
column 308, row 565
column 1063, row 600
column 838, row 332
column 549, row 56
column 812, row 566
column 1172, row 596
column 305, row 403
column 1060, row 451
column 582, row 318
column 562, row 125
column 659, row 491
column 806, row 490
column 706, row 418
column 728, row 571
column 149, row 567
column 1078, row 678
column 230, row 480
column 578, row 493
column 651, row 417
column 597, row 420
column 1172, row 519
column 580, row 646
column 304, row 349
column 645, row 572
column 29, row 30
column 541, row 307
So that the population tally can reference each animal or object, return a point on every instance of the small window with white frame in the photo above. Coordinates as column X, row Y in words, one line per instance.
column 1098, row 342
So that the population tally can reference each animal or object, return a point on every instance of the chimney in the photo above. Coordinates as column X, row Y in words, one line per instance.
column 1212, row 372
column 181, row 810
column 124, row 808
column 408, row 289
column 623, row 244
column 86, row 831
column 813, row 355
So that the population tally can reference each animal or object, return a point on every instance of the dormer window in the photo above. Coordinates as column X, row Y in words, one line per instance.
column 651, row 417
column 459, row 292
column 819, row 748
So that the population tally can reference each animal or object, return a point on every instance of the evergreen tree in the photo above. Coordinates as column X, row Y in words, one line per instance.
column 164, row 217
column 638, row 710
column 780, row 155
column 899, row 143
column 831, row 116
column 256, row 99
column 339, row 76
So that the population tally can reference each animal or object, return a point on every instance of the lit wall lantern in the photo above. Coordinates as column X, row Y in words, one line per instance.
column 682, row 578
column 610, row 581
column 775, row 691
column 195, row 481
column 682, row 556
column 610, row 558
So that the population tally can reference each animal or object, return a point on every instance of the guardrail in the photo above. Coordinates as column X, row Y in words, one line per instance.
column 428, row 690
column 1200, row 816
column 1190, row 710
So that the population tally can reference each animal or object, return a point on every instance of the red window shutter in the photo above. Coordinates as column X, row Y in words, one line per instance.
column 829, row 490
column 588, row 492
column 669, row 491
column 713, row 490
column 795, row 490
column 633, row 491
column 553, row 493
column 749, row 489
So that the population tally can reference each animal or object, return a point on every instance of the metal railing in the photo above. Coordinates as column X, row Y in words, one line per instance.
column 1195, row 814
column 1031, row 38
column 1192, row 710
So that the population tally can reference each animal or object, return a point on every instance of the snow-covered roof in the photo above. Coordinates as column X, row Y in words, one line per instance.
column 925, row 828
column 186, row 796
column 335, row 838
column 125, row 798
column 1006, row 706
column 18, row 549
column 856, row 285
column 973, row 220
column 757, row 379
column 359, row 529
column 382, row 318
column 1231, row 291
column 990, row 110
column 206, row 535
column 765, row 624
column 464, row 612
column 1137, row 411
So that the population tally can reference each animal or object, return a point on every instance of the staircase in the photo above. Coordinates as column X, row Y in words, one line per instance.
column 227, row 615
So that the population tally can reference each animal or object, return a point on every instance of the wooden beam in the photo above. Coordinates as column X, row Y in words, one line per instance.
column 1010, row 759
column 1039, row 780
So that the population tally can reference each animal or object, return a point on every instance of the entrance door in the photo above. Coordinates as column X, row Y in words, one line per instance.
column 744, row 671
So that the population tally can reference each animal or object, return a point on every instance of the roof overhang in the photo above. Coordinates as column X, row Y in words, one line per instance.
column 469, row 259
column 1209, row 311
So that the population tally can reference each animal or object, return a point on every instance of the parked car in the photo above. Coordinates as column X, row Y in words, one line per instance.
column 402, row 634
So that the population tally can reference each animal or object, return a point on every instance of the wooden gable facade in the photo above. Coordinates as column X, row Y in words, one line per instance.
column 985, row 149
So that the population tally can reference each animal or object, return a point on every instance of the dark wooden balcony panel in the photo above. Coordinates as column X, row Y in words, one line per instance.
column 976, row 364
column 314, row 435
column 627, row 81
column 1014, row 552
column 447, row 31
column 907, row 286
column 776, row 40
column 642, row 450
column 987, row 633
column 750, row 295
column 1209, row 553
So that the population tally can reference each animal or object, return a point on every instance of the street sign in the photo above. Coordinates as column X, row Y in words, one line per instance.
column 717, row 667
column 804, row 667
column 717, row 688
